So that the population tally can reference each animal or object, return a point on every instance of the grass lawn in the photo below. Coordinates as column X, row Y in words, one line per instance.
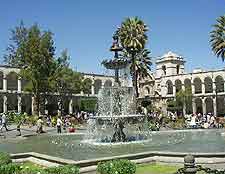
column 156, row 169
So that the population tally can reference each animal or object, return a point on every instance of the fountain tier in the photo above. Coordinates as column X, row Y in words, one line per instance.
column 116, row 120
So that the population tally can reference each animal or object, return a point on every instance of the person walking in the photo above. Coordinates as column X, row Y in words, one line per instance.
column 4, row 122
column 59, row 125
column 40, row 125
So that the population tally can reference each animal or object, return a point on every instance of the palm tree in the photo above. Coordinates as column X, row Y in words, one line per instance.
column 132, row 36
column 142, row 64
column 218, row 38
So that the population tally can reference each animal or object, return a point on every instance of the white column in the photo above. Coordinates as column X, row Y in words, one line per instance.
column 174, row 90
column 46, row 109
column 81, row 92
column 102, row 85
column 71, row 106
column 19, row 85
column 192, row 87
column 184, row 109
column 183, row 87
column 203, row 88
column 19, row 102
column 214, row 106
column 92, row 89
column 4, row 82
column 214, row 87
column 5, row 104
column 59, row 109
column 32, row 105
column 204, row 106
column 193, row 106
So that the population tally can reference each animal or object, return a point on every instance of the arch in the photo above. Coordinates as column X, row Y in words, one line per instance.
column 87, row 86
column 12, row 104
column 147, row 90
column 97, row 85
column 198, row 85
column 219, row 84
column 198, row 102
column 178, row 85
column 26, row 101
column 12, row 81
column 220, row 106
column 187, row 84
column 108, row 83
column 1, row 80
column 209, row 105
column 24, row 84
column 169, row 85
column 208, row 85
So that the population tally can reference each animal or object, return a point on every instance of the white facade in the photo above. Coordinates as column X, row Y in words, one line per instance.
column 207, row 86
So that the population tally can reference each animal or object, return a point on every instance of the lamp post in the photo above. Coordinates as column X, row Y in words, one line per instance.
column 116, row 48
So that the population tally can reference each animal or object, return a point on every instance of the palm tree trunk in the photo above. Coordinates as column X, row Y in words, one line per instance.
column 134, row 81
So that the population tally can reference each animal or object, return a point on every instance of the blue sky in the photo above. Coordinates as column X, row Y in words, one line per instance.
column 85, row 27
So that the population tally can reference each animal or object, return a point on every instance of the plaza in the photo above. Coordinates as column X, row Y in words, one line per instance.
column 112, row 87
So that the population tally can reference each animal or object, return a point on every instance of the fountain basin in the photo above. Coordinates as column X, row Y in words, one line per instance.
column 72, row 146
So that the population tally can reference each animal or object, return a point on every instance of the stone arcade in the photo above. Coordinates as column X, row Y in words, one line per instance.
column 207, row 86
column 13, row 96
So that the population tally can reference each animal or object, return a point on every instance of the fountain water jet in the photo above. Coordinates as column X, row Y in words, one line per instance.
column 117, row 120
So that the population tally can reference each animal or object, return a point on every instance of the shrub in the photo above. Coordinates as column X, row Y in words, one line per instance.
column 4, row 158
column 30, row 170
column 10, row 169
column 67, row 169
column 117, row 167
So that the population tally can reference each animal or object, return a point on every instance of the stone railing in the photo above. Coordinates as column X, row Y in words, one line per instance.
column 191, row 168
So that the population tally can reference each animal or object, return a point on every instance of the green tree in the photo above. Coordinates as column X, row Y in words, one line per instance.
column 217, row 38
column 183, row 98
column 15, row 50
column 33, row 50
column 132, row 36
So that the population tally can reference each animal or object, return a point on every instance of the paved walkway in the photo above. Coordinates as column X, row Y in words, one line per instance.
column 29, row 131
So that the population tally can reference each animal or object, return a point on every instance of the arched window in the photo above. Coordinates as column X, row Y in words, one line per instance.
column 208, row 85
column 169, row 85
column 108, row 83
column 198, row 85
column 164, row 69
column 147, row 91
column 97, row 85
column 178, row 85
column 12, row 81
column 219, row 84
column 178, row 69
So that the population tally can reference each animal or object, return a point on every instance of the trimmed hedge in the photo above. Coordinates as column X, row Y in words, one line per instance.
column 4, row 158
column 117, row 167
column 67, row 169
column 10, row 168
column 14, row 168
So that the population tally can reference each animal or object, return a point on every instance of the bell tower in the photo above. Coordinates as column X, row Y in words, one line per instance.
column 169, row 64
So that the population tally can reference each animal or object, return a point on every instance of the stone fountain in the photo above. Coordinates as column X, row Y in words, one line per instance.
column 116, row 120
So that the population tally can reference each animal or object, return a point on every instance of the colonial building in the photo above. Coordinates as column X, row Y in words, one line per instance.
column 13, row 96
column 207, row 86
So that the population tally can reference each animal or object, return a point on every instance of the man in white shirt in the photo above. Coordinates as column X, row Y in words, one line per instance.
column 4, row 122
column 59, row 125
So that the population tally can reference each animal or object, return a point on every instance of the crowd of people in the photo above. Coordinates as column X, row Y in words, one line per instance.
column 63, row 122
column 203, row 121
